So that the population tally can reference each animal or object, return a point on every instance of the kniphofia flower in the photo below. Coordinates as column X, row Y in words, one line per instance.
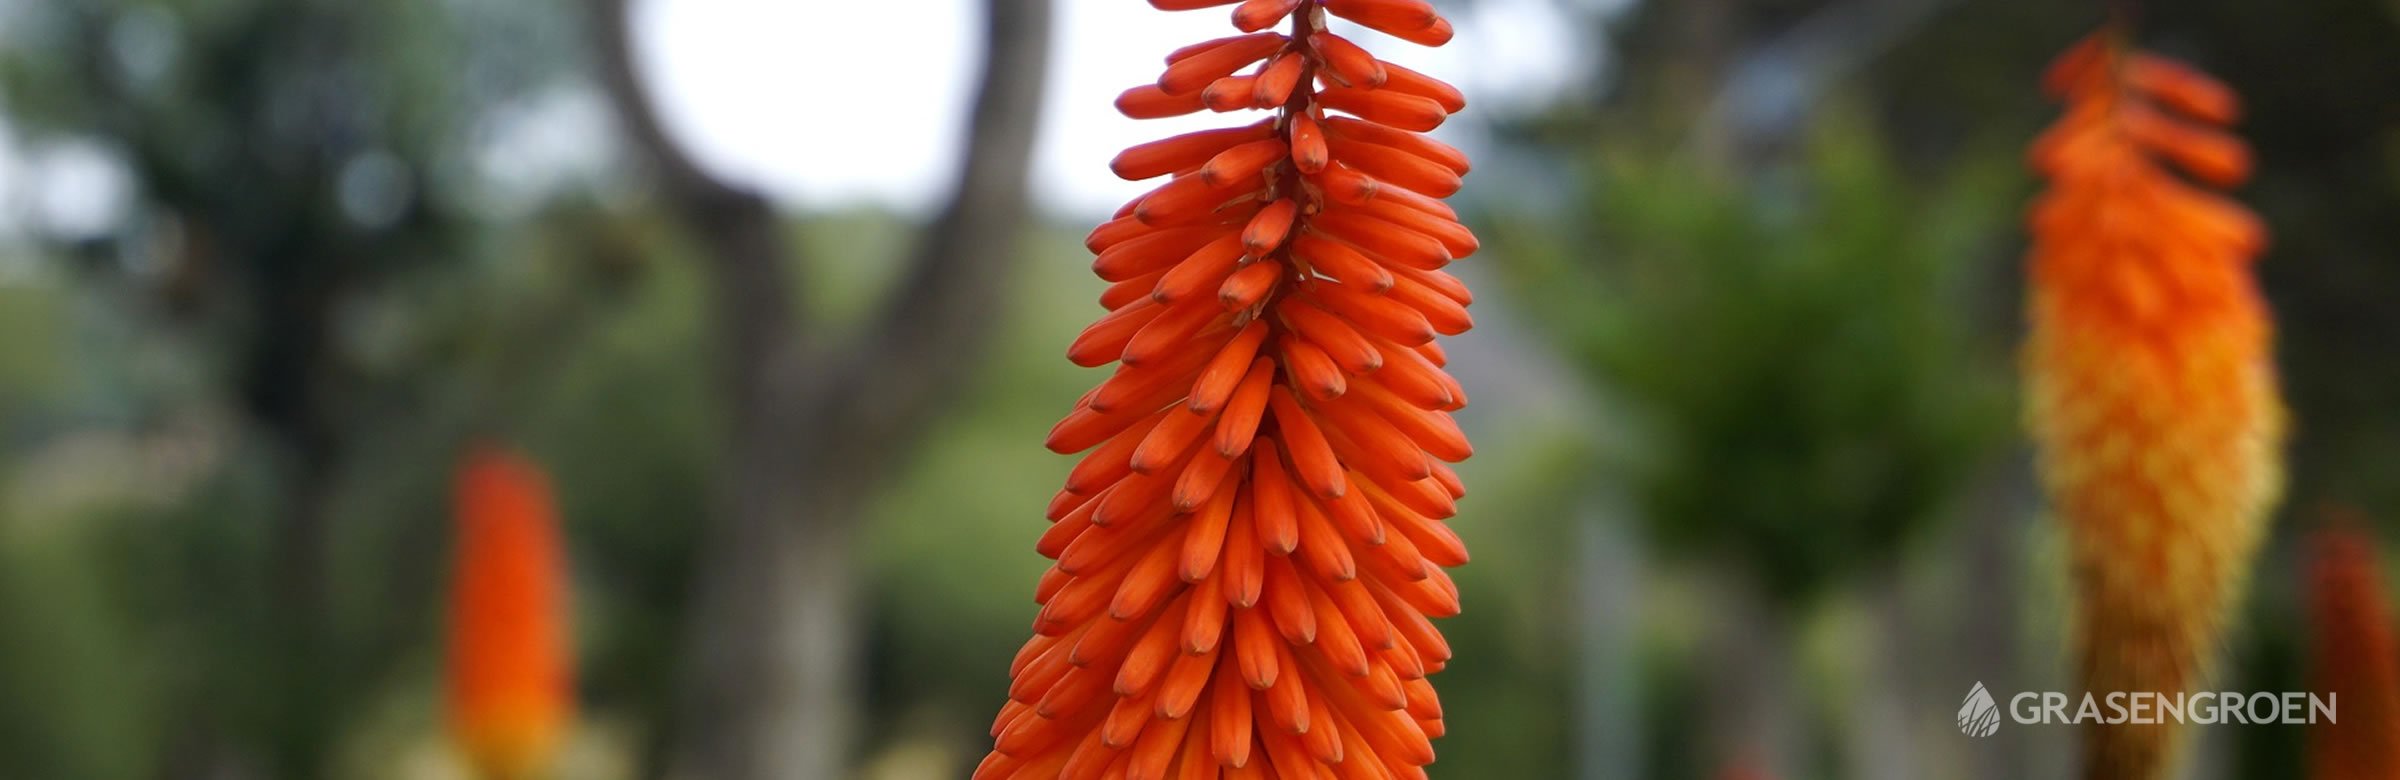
column 510, row 663
column 2353, row 660
column 2150, row 383
column 1249, row 555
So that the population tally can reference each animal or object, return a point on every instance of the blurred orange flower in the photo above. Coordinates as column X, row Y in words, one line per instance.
column 511, row 667
column 2150, row 383
column 2355, row 659
column 1250, row 554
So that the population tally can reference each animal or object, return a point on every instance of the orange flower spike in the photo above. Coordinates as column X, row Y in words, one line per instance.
column 2354, row 659
column 2150, row 385
column 1249, row 552
column 510, row 667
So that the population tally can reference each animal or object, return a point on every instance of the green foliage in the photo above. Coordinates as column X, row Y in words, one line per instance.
column 1803, row 385
column 1507, row 693
column 64, row 645
column 951, row 548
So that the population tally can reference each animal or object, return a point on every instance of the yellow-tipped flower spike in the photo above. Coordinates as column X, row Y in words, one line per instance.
column 511, row 664
column 2150, row 383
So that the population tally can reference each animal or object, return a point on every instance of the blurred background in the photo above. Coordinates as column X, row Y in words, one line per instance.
column 778, row 290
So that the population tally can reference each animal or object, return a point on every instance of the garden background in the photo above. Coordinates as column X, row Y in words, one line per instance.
column 1749, row 491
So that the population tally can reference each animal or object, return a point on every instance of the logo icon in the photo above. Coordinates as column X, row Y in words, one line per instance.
column 1979, row 716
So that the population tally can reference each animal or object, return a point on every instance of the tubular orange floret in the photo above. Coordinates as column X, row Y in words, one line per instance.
column 1249, row 556
column 2354, row 660
column 1276, row 82
column 1347, row 63
column 1148, row 101
column 1383, row 106
column 1407, row 81
column 2149, row 378
column 510, row 670
column 1168, row 155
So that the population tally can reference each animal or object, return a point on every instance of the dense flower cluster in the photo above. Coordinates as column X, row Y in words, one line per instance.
column 1249, row 555
column 511, row 663
column 2150, row 382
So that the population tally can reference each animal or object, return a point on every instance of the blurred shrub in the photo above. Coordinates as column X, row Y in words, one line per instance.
column 1796, row 352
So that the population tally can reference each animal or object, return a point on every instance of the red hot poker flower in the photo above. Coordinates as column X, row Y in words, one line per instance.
column 510, row 661
column 2150, row 384
column 2355, row 659
column 1249, row 556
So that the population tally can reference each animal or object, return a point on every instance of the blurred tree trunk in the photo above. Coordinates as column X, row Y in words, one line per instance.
column 1883, row 674
column 816, row 426
column 1755, row 716
column 269, row 264
column 1988, row 643
column 286, row 374
column 1609, row 731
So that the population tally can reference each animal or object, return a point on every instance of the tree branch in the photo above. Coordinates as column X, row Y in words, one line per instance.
column 771, row 651
column 738, row 228
column 1765, row 101
column 677, row 172
column 942, row 309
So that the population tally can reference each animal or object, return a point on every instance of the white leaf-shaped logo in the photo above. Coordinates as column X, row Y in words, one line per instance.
column 1979, row 717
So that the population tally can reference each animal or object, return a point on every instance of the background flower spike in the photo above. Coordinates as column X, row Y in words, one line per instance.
column 2150, row 388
